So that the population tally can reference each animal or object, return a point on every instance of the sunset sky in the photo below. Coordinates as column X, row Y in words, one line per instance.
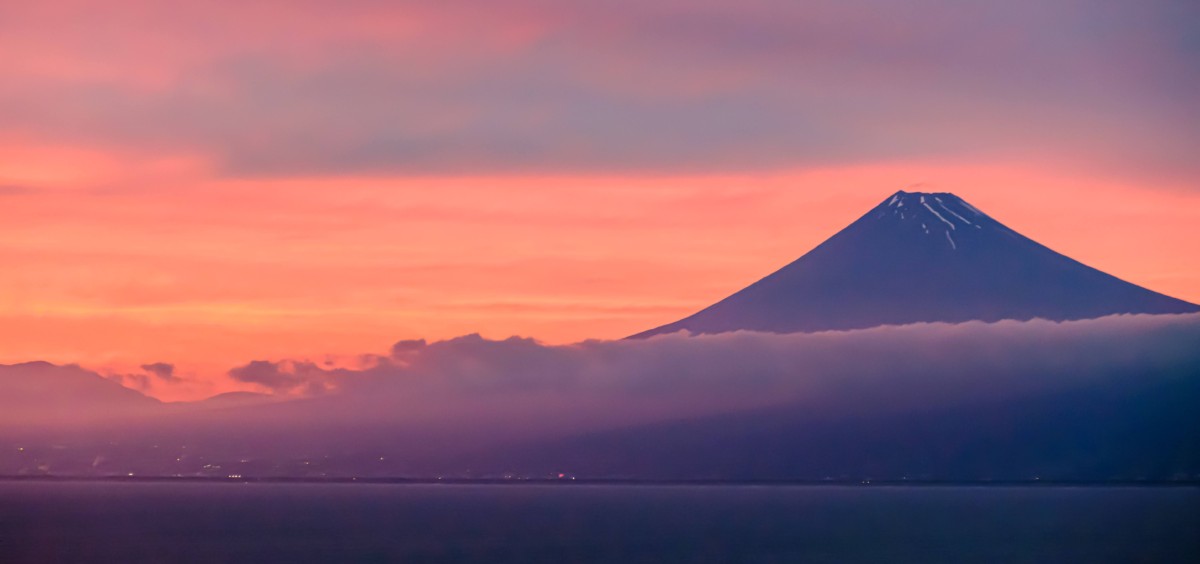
column 209, row 183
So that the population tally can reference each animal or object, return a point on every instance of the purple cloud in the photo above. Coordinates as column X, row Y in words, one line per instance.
column 467, row 395
column 519, row 384
column 282, row 377
column 162, row 370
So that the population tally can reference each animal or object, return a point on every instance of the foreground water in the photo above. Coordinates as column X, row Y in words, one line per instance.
column 195, row 522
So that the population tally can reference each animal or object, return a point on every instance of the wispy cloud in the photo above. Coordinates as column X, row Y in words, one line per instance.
column 14, row 190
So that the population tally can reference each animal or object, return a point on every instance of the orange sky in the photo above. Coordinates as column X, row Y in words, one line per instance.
column 211, row 273
column 206, row 185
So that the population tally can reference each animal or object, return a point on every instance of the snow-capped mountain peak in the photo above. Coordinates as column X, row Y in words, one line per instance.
column 939, row 215
column 923, row 256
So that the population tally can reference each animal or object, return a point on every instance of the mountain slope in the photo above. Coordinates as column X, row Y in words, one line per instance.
column 923, row 257
column 40, row 392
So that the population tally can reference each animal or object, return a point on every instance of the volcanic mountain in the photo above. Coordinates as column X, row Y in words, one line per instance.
column 920, row 257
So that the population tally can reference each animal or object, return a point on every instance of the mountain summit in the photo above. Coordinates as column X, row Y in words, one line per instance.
column 920, row 257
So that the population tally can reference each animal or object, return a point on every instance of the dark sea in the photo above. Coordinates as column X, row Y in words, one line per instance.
column 44, row 522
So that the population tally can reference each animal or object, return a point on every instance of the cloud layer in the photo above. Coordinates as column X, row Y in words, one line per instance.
column 533, row 388
column 528, row 85
column 428, row 407
column 521, row 383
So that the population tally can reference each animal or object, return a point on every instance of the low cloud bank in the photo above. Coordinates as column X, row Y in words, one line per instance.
column 521, row 388
column 595, row 384
column 472, row 403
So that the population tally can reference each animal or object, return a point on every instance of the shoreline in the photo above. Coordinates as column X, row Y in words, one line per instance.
column 602, row 481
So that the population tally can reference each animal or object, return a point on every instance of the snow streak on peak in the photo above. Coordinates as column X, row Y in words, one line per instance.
column 934, row 212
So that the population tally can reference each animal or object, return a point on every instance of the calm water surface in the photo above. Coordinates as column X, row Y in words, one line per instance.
column 261, row 523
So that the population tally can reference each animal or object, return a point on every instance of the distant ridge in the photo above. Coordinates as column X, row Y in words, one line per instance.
column 32, row 392
column 923, row 257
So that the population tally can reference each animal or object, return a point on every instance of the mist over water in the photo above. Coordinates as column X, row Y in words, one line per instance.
column 139, row 522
